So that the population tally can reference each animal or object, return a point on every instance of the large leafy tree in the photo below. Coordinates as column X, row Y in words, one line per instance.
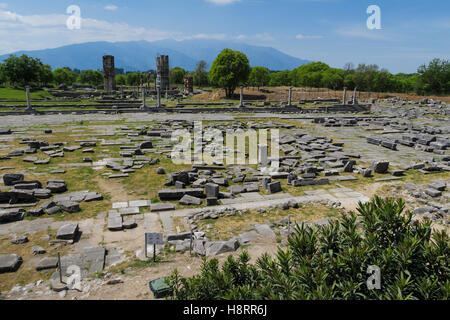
column 281, row 78
column 45, row 75
column 177, row 75
column 64, row 76
column 229, row 70
column 434, row 78
column 259, row 77
column 91, row 77
column 23, row 70
column 332, row 262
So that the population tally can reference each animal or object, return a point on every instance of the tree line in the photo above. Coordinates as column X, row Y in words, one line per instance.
column 232, row 68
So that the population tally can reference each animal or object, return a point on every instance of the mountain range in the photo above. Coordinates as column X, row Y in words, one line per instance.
column 141, row 55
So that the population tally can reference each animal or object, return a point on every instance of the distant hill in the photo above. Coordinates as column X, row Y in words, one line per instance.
column 140, row 55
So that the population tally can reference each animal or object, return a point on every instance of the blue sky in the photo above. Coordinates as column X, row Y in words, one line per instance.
column 334, row 31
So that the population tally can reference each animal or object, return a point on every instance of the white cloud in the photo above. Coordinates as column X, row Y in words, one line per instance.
column 35, row 32
column 301, row 36
column 111, row 7
column 222, row 2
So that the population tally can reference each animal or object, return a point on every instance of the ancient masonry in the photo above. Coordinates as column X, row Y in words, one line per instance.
column 162, row 72
column 189, row 84
column 109, row 74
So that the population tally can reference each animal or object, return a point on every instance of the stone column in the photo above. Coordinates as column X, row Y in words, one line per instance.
column 158, row 90
column 290, row 97
column 29, row 107
column 241, row 102
column 345, row 96
column 109, row 74
column 354, row 96
column 144, row 106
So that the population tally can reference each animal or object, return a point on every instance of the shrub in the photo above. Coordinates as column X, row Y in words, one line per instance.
column 331, row 262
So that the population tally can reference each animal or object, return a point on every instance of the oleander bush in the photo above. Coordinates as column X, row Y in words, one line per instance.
column 332, row 262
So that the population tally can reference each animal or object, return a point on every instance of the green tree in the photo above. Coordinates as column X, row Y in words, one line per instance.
column 333, row 79
column 133, row 79
column 177, row 75
column 64, row 76
column 200, row 74
column 45, row 75
column 331, row 262
column 434, row 78
column 229, row 70
column 23, row 70
column 91, row 77
column 121, row 80
column 2, row 75
column 309, row 75
column 259, row 77
column 281, row 78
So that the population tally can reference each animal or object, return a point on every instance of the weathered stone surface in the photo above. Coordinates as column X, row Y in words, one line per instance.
column 433, row 192
column 218, row 247
column 129, row 224
column 160, row 170
column 178, row 236
column 67, row 232
column 380, row 167
column 366, row 173
column 177, row 194
column 157, row 207
column 19, row 239
column 274, row 187
column 37, row 250
column 212, row 190
column 265, row 231
column 247, row 237
column 236, row 189
column 47, row 263
column 53, row 210
column 10, row 178
column 10, row 262
column 17, row 196
column 70, row 206
column 211, row 201
column 56, row 186
column 189, row 200
column 146, row 145
column 94, row 258
column 115, row 222
column 11, row 215
column 198, row 247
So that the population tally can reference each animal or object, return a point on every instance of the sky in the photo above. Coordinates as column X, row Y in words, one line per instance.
column 412, row 32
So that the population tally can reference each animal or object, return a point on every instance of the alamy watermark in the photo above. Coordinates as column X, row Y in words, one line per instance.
column 374, row 281
column 74, row 20
column 374, row 21
column 207, row 146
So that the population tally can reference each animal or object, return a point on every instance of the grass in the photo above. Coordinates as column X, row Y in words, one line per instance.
column 27, row 273
column 228, row 227
column 17, row 94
